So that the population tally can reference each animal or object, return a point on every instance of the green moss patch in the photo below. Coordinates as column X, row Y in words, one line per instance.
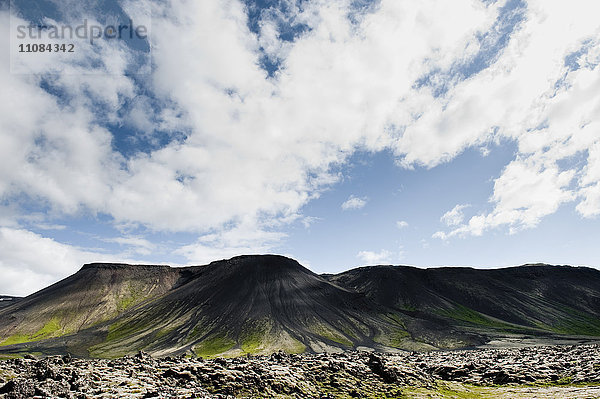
column 396, row 319
column 578, row 325
column 252, row 341
column 397, row 338
column 296, row 347
column 165, row 331
column 214, row 345
column 15, row 339
column 49, row 330
column 8, row 356
column 122, row 329
column 129, row 298
column 331, row 335
column 462, row 313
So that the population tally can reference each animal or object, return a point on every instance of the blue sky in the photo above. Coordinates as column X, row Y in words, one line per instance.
column 341, row 133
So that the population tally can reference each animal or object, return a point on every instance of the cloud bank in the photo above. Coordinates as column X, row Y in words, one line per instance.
column 230, row 149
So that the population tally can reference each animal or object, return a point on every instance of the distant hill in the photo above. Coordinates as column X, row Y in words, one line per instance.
column 264, row 303
column 536, row 299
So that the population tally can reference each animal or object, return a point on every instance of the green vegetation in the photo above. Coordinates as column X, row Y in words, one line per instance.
column 116, row 331
column 164, row 331
column 464, row 392
column 334, row 336
column 397, row 338
column 574, row 322
column 197, row 332
column 214, row 345
column 579, row 324
column 298, row 347
column 202, row 328
column 407, row 307
column 15, row 339
column 47, row 331
column 394, row 337
column 462, row 313
column 564, row 381
column 261, row 337
column 8, row 356
column 122, row 329
column 397, row 319
column 125, row 302
column 349, row 333
column 130, row 298
column 252, row 340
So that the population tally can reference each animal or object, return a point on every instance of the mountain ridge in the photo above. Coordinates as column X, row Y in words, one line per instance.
column 254, row 304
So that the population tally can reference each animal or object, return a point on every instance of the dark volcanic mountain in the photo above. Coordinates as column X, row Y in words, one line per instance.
column 529, row 298
column 6, row 300
column 260, row 304
column 251, row 304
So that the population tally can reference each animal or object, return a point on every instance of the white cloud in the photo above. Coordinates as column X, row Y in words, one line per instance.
column 525, row 193
column 30, row 262
column 375, row 258
column 590, row 183
column 454, row 216
column 135, row 244
column 260, row 148
column 354, row 203
column 246, row 238
column 256, row 146
column 44, row 226
column 308, row 221
column 401, row 224
column 531, row 96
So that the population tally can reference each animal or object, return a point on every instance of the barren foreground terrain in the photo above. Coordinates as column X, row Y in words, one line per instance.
column 535, row 372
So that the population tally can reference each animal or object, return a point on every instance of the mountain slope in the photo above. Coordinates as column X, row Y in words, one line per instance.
column 96, row 293
column 6, row 300
column 557, row 299
column 264, row 303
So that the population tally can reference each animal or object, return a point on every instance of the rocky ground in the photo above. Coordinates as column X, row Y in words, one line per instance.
column 537, row 372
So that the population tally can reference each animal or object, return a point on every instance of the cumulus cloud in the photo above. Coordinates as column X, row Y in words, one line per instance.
column 245, row 238
column 134, row 244
column 247, row 150
column 254, row 145
column 308, row 221
column 590, row 184
column 354, row 202
column 375, row 258
column 543, row 93
column 401, row 224
column 31, row 262
column 454, row 216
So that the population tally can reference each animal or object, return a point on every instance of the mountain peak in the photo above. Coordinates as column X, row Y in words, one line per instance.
column 272, row 264
column 271, row 259
column 120, row 266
